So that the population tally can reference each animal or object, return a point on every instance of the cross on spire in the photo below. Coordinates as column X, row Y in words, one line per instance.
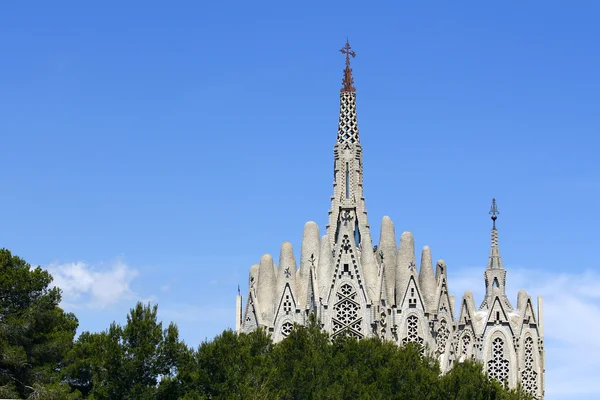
column 348, row 81
column 494, row 212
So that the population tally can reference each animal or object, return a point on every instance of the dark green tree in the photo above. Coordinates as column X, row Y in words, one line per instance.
column 126, row 362
column 35, row 333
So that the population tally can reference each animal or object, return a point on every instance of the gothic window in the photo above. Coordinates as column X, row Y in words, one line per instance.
column 412, row 334
column 497, row 367
column 442, row 337
column 347, row 312
column 529, row 374
column 286, row 328
column 495, row 284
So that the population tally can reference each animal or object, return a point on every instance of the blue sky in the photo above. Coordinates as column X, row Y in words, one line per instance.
column 154, row 152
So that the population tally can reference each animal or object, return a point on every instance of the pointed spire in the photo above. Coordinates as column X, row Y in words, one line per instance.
column 347, row 81
column 427, row 280
column 495, row 261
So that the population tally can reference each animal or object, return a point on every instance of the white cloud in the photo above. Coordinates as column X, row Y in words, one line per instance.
column 571, row 322
column 86, row 286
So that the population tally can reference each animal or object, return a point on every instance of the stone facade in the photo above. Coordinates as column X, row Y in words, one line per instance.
column 369, row 291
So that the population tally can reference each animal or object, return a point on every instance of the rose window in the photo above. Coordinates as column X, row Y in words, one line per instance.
column 498, row 365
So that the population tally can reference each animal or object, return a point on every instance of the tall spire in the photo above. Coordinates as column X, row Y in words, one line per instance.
column 348, row 209
column 348, row 81
column 495, row 274
column 495, row 261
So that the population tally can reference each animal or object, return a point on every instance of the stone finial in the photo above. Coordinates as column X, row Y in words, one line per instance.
column 406, row 265
column 325, row 271
column 388, row 251
column 309, row 259
column 267, row 284
column 287, row 269
column 427, row 279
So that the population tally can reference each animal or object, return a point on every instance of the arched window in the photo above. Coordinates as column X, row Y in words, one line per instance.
column 529, row 376
column 412, row 332
column 498, row 366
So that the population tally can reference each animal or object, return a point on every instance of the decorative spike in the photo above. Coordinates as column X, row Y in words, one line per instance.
column 325, row 272
column 267, row 284
column 406, row 265
column 427, row 280
column 388, row 252
column 309, row 259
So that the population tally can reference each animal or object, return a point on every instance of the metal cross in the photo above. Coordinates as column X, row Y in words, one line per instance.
column 348, row 52
column 494, row 211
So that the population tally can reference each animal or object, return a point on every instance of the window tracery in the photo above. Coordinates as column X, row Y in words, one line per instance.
column 529, row 374
column 286, row 328
column 412, row 332
column 442, row 337
column 498, row 366
column 347, row 312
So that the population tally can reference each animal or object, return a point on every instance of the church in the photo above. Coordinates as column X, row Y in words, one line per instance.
column 363, row 290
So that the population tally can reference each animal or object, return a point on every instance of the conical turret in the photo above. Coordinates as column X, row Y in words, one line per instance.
column 267, row 283
column 325, row 272
column 406, row 266
column 427, row 280
column 287, row 269
column 389, row 255
column 309, row 259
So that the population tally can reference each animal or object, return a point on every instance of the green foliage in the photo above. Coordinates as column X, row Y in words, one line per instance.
column 35, row 334
column 126, row 362
column 141, row 360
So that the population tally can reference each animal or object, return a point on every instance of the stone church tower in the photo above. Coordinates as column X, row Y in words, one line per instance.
column 369, row 291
